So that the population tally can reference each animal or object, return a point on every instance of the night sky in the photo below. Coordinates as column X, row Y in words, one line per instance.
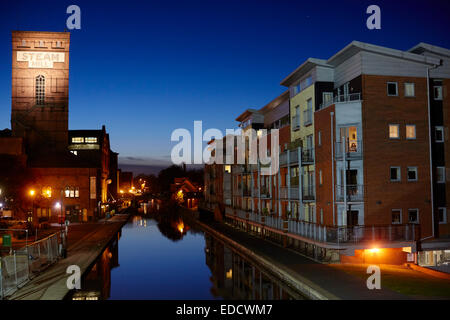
column 145, row 68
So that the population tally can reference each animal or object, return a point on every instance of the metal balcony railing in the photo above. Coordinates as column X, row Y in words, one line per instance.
column 347, row 97
column 308, row 193
column 345, row 235
column 308, row 156
column 353, row 149
column 355, row 193
column 307, row 117
column 265, row 192
column 293, row 158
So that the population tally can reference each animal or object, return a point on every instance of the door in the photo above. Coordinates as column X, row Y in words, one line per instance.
column 352, row 218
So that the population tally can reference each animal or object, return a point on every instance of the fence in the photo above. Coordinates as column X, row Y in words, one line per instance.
column 17, row 268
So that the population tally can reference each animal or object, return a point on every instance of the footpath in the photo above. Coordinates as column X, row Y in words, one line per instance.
column 85, row 242
column 312, row 279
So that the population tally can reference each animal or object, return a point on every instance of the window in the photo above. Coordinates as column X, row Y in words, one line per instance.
column 413, row 215
column 77, row 140
column 327, row 98
column 392, row 89
column 437, row 92
column 440, row 174
column 24, row 43
column 439, row 134
column 412, row 173
column 90, row 139
column 74, row 152
column 410, row 131
column 321, row 215
column 319, row 138
column 442, row 215
column 41, row 43
column 72, row 192
column 394, row 131
column 320, row 177
column 40, row 90
column 227, row 168
column 409, row 89
column 396, row 216
column 395, row 174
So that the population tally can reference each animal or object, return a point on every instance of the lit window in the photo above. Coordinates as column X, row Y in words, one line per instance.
column 395, row 174
column 412, row 173
column 440, row 174
column 413, row 215
column 90, row 139
column 320, row 177
column 437, row 92
column 72, row 192
column 227, row 168
column 394, row 131
column 442, row 215
column 396, row 216
column 409, row 90
column 392, row 89
column 77, row 140
column 40, row 90
column 74, row 152
column 410, row 131
column 439, row 134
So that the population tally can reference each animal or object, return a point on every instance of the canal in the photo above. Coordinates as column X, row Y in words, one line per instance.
column 165, row 257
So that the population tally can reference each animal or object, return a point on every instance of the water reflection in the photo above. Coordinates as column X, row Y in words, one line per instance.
column 163, row 257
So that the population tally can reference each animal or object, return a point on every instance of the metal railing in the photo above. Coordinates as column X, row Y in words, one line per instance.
column 353, row 149
column 347, row 97
column 308, row 193
column 308, row 156
column 21, row 265
column 354, row 192
column 337, row 235
column 293, row 157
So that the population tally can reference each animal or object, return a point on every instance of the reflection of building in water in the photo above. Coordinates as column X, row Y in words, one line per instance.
column 96, row 285
column 233, row 277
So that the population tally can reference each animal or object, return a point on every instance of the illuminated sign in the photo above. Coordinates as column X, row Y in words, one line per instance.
column 40, row 59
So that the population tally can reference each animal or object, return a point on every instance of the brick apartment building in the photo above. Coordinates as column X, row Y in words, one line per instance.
column 71, row 178
column 365, row 164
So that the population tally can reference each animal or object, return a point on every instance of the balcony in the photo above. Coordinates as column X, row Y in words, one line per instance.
column 355, row 193
column 353, row 150
column 265, row 192
column 293, row 158
column 296, row 122
column 307, row 117
column 308, row 193
column 307, row 156
column 246, row 192
column 289, row 193
column 347, row 97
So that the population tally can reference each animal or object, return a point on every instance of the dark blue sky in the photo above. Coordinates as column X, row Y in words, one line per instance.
column 145, row 68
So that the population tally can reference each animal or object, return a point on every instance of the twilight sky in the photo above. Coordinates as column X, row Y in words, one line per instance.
column 145, row 68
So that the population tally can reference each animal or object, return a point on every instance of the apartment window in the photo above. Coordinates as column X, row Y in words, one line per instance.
column 394, row 131
column 319, row 138
column 78, row 140
column 392, row 89
column 320, row 177
column 228, row 168
column 412, row 173
column 90, row 139
column 395, row 174
column 437, row 92
column 40, row 90
column 440, row 176
column 74, row 152
column 410, row 131
column 413, row 215
column 72, row 192
column 439, row 134
column 321, row 215
column 396, row 216
column 442, row 215
column 327, row 98
column 409, row 89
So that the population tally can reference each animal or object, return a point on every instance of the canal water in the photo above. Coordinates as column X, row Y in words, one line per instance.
column 164, row 257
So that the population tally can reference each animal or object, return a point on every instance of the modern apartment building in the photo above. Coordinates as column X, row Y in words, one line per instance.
column 363, row 175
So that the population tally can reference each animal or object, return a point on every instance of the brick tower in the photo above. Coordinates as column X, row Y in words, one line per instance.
column 40, row 90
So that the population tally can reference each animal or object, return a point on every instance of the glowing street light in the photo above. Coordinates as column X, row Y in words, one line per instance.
column 32, row 192
column 58, row 205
